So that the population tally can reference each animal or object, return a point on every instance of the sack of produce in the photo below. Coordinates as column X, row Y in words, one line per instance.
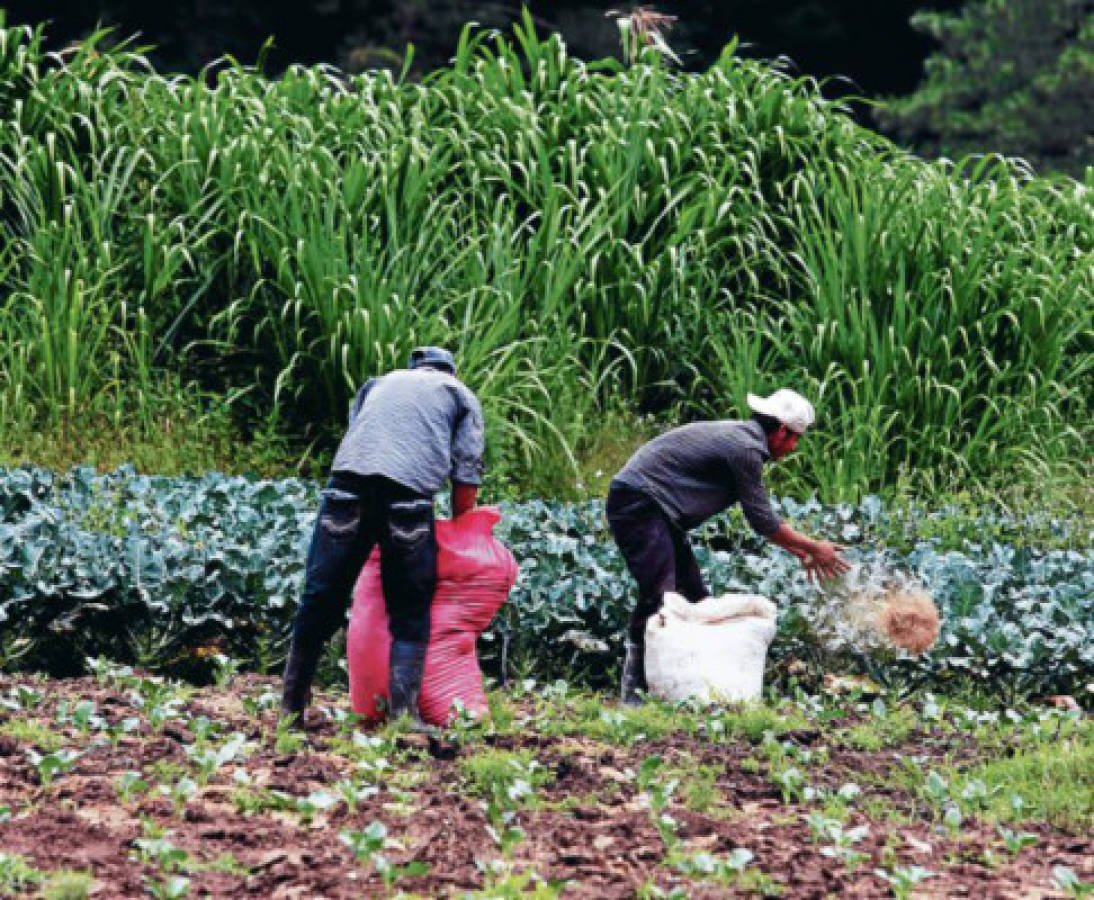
column 711, row 650
column 475, row 573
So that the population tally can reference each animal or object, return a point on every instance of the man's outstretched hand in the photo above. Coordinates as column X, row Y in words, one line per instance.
column 823, row 560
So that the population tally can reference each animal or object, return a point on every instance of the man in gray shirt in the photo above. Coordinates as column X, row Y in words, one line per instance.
column 410, row 431
column 684, row 477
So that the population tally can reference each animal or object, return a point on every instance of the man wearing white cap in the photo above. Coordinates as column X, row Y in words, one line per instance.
column 684, row 477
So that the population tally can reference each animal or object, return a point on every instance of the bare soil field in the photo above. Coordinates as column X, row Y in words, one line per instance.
column 159, row 789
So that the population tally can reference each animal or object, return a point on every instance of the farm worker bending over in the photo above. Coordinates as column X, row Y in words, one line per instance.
column 684, row 477
column 409, row 432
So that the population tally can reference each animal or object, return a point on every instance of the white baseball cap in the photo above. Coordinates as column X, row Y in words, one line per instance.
column 788, row 406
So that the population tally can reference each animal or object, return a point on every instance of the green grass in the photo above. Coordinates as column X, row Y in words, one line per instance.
column 16, row 875
column 597, row 242
column 186, row 436
column 67, row 885
column 885, row 731
column 33, row 734
column 489, row 771
column 1055, row 782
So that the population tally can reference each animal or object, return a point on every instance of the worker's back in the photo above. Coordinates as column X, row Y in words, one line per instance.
column 418, row 427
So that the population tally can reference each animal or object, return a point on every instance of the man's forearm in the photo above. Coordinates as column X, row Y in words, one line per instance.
column 794, row 541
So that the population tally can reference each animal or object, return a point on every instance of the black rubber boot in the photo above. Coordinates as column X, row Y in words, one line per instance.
column 300, row 668
column 407, row 663
column 634, row 674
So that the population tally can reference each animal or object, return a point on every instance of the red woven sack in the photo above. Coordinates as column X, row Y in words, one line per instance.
column 475, row 572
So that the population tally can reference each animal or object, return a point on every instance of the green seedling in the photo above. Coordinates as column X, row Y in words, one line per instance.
column 255, row 706
column 16, row 874
column 116, row 730
column 502, row 818
column 172, row 888
column 353, row 793
column 82, row 716
column 462, row 725
column 203, row 729
column 791, row 784
column 367, row 847
column 843, row 841
column 108, row 673
column 50, row 765
column 68, row 885
column 180, row 793
column 159, row 714
column 708, row 867
column 820, row 826
column 210, row 759
column 651, row 891
column 129, row 785
column 1015, row 842
column 28, row 698
column 935, row 787
column 315, row 803
column 651, row 782
column 249, row 801
column 658, row 792
column 1067, row 881
column 159, row 851
column 502, row 882
column 288, row 739
column 902, row 880
column 151, row 692
column 952, row 818
column 36, row 734
column 977, row 795
column 507, row 782
column 225, row 670
column 620, row 728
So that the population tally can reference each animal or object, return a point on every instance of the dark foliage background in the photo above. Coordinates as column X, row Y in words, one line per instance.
column 871, row 43
column 1013, row 75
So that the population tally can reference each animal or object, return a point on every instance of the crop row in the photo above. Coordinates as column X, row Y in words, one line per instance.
column 168, row 572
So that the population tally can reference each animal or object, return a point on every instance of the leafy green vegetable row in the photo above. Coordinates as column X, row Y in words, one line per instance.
column 166, row 572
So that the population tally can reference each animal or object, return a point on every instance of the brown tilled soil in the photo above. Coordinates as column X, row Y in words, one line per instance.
column 590, row 826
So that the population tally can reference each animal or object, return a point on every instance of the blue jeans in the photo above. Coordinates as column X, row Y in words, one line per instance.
column 355, row 514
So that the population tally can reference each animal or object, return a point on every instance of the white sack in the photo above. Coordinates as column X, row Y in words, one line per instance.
column 711, row 650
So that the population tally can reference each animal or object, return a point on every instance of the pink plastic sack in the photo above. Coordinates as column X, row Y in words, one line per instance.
column 475, row 572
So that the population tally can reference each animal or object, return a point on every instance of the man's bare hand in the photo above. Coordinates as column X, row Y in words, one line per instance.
column 824, row 561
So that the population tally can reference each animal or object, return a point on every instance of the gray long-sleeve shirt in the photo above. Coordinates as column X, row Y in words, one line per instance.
column 695, row 471
column 419, row 427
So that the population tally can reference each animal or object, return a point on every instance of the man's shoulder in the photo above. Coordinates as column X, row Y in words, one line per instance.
column 740, row 439
column 733, row 429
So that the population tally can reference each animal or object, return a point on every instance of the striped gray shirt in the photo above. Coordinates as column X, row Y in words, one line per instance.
column 419, row 427
column 695, row 471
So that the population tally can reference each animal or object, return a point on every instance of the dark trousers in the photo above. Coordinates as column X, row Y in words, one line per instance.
column 657, row 553
column 355, row 514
